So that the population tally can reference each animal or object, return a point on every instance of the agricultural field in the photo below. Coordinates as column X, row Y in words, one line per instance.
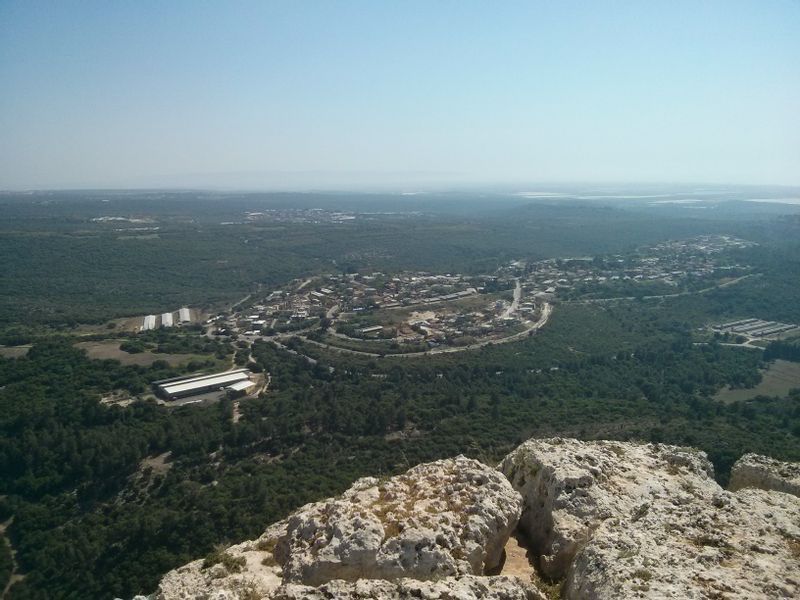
column 110, row 349
column 778, row 379
column 13, row 351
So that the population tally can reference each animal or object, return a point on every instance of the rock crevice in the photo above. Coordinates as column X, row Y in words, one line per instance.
column 606, row 519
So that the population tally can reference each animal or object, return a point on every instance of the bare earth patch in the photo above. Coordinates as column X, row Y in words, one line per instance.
column 13, row 351
column 110, row 350
column 777, row 380
column 517, row 563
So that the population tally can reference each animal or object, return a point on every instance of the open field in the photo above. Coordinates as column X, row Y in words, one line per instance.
column 396, row 316
column 777, row 380
column 13, row 351
column 110, row 349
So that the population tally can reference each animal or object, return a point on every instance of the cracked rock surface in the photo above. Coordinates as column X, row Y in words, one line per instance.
column 441, row 519
column 444, row 519
column 625, row 520
column 605, row 520
column 468, row 587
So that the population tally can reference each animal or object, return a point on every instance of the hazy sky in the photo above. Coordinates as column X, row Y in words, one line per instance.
column 337, row 93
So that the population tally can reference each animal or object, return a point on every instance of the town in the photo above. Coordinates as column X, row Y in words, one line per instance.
column 412, row 312
column 420, row 313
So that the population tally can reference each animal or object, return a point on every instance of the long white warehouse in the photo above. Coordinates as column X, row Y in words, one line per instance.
column 179, row 387
column 166, row 320
column 149, row 323
column 184, row 316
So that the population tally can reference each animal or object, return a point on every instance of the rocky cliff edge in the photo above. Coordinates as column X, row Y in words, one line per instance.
column 602, row 520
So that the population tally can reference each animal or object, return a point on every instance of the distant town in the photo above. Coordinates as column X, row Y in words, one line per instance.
column 418, row 313
column 423, row 311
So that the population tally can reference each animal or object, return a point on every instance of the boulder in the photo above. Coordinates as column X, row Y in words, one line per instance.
column 442, row 519
column 625, row 520
column 732, row 546
column 251, row 572
column 570, row 487
column 762, row 472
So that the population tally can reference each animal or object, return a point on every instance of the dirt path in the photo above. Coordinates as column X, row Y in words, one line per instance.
column 517, row 563
column 15, row 575
column 676, row 295
column 242, row 301
column 304, row 284
column 512, row 309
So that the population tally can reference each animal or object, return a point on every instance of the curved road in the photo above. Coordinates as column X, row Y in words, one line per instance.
column 547, row 310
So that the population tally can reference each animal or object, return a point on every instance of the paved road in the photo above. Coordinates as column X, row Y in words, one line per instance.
column 312, row 361
column 547, row 310
column 304, row 284
column 242, row 301
column 729, row 345
column 514, row 306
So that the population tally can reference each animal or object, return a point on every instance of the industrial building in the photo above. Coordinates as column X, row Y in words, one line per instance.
column 166, row 320
column 241, row 387
column 756, row 327
column 149, row 323
column 180, row 387
column 736, row 323
column 184, row 316
column 368, row 330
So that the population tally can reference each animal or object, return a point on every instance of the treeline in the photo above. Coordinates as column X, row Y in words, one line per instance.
column 51, row 265
column 773, row 293
column 782, row 349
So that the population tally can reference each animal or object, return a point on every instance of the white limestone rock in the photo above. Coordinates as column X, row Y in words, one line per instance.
column 469, row 587
column 762, row 472
column 442, row 519
column 447, row 518
column 610, row 519
column 258, row 577
column 732, row 546
column 570, row 487
column 623, row 520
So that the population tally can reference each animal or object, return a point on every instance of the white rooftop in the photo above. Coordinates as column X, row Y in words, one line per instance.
column 218, row 380
column 240, row 386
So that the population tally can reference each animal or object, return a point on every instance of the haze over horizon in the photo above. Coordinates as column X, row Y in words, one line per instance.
column 272, row 95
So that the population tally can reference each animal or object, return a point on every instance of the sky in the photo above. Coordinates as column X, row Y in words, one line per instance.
column 335, row 94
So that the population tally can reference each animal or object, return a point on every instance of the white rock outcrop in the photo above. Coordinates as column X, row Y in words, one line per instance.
column 732, row 546
column 446, row 518
column 570, row 487
column 257, row 577
column 624, row 520
column 604, row 520
column 762, row 472
column 469, row 587
column 439, row 520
